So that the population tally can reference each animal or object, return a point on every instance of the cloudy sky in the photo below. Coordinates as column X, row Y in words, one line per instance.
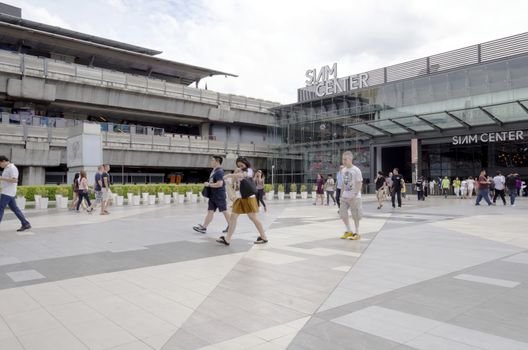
column 271, row 43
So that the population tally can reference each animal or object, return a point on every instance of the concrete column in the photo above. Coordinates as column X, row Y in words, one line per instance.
column 204, row 130
column 84, row 150
column 33, row 175
column 5, row 118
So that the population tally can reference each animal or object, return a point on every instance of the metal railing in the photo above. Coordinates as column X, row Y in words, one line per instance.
column 13, row 62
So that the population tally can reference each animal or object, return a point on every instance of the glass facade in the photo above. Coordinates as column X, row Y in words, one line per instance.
column 310, row 136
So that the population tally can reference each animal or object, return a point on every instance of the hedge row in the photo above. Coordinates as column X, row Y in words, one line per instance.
column 51, row 191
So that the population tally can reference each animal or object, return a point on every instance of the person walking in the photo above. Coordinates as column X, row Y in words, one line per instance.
column 216, row 194
column 339, row 185
column 425, row 185
column 351, row 197
column 420, row 189
column 445, row 186
column 98, row 188
column 511, row 186
column 396, row 189
column 471, row 186
column 456, row 186
column 518, row 185
column 75, row 191
column 259, row 182
column 464, row 189
column 247, row 204
column 320, row 189
column 83, row 192
column 499, row 183
column 105, row 188
column 483, row 188
column 388, row 185
column 432, row 186
column 330, row 189
column 9, row 183
column 380, row 189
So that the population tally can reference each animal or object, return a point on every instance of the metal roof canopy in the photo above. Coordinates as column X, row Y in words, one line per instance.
column 102, row 53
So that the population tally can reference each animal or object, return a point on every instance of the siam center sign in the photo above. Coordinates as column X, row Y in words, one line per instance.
column 325, row 82
column 489, row 137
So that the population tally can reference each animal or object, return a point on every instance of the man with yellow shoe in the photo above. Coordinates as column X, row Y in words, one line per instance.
column 351, row 196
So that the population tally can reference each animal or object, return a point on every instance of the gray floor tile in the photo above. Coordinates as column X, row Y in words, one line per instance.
column 25, row 275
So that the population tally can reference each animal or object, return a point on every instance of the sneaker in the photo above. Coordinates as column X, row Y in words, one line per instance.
column 24, row 227
column 347, row 235
column 200, row 229
column 224, row 231
column 260, row 241
column 354, row 237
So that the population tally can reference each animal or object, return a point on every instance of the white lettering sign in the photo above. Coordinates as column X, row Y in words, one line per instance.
column 489, row 137
column 325, row 82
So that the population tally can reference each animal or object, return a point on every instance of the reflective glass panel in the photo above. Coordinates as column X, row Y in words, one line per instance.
column 415, row 124
column 474, row 117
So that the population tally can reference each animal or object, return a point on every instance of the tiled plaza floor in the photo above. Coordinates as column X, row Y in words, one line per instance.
column 439, row 274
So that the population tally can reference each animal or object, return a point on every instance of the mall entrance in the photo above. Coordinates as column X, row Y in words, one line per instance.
column 397, row 157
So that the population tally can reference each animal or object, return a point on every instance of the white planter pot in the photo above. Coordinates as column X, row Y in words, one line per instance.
column 269, row 196
column 63, row 202
column 167, row 200
column 152, row 200
column 281, row 195
column 293, row 195
column 58, row 200
column 145, row 197
column 181, row 199
column 314, row 195
column 304, row 195
column 188, row 196
column 176, row 197
column 161, row 197
column 43, row 203
column 130, row 197
column 114, row 199
column 194, row 198
column 37, row 201
column 21, row 202
column 119, row 201
column 136, row 200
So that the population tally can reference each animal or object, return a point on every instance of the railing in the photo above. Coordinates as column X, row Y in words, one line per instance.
column 489, row 51
column 13, row 62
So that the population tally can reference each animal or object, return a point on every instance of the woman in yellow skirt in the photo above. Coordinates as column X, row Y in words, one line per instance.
column 245, row 205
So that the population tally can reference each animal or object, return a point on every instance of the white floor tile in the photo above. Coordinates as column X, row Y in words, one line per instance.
column 100, row 334
column 487, row 280
column 31, row 322
column 55, row 339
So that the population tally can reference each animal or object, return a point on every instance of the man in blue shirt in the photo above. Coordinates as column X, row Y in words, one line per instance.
column 217, row 195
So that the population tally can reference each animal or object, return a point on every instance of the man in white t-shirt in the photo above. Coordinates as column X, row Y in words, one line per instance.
column 499, row 181
column 351, row 196
column 9, row 181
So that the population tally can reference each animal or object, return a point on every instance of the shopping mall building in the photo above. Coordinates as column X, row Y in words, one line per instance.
column 450, row 114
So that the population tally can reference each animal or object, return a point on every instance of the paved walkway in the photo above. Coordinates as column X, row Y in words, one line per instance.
column 440, row 274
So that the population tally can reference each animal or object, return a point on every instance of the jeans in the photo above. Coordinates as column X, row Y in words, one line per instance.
column 483, row 193
column 513, row 194
column 328, row 195
column 338, row 197
column 420, row 195
column 394, row 194
column 5, row 201
column 83, row 195
column 260, row 197
column 445, row 192
column 499, row 193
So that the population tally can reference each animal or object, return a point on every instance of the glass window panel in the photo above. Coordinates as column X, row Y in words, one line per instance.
column 477, row 78
column 389, row 126
column 409, row 93
column 423, row 90
column 415, row 124
column 519, row 71
column 457, row 83
column 474, row 117
column 498, row 76
column 442, row 120
column 367, row 129
column 508, row 113
column 439, row 87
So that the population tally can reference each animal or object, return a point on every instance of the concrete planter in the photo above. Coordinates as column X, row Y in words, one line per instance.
column 293, row 195
column 304, row 195
column 37, row 201
column 269, row 195
column 114, row 199
column 181, row 199
column 21, row 202
column 43, row 203
column 152, row 199
column 145, row 198
column 314, row 195
column 119, row 201
column 175, row 196
column 188, row 196
column 161, row 197
column 136, row 200
column 280, row 195
column 167, row 199
column 130, row 197
column 194, row 198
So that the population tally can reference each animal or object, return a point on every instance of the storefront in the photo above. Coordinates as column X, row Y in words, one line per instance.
column 450, row 114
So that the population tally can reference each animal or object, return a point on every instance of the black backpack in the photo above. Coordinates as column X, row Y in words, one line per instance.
column 247, row 187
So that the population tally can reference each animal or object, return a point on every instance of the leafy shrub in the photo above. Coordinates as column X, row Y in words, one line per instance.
column 281, row 188
column 293, row 188
column 268, row 188
column 303, row 188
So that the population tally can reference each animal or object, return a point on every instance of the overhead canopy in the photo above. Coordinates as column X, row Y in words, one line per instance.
column 104, row 53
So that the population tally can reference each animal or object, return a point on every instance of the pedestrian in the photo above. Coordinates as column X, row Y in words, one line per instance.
column 518, row 185
column 403, row 189
column 471, row 186
column 456, row 186
column 105, row 187
column 483, row 188
column 83, row 192
column 351, row 196
column 98, row 188
column 445, row 186
column 247, row 204
column 330, row 189
column 420, row 189
column 396, row 190
column 380, row 189
column 425, row 186
column 9, row 183
column 320, row 189
column 216, row 195
column 339, row 178
column 499, row 183
column 464, row 189
column 388, row 185
column 432, row 186
column 75, row 191
column 511, row 183
column 259, row 182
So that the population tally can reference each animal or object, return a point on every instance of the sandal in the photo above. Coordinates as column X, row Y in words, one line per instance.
column 222, row 240
column 260, row 240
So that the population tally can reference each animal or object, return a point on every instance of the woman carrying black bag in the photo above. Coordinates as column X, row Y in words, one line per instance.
column 245, row 205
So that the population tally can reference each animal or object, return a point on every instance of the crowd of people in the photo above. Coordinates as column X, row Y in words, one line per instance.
column 81, row 191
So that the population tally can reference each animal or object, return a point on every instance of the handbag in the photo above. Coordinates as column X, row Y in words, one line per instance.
column 248, row 187
column 206, row 191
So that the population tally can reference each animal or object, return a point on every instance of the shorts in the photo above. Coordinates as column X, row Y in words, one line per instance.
column 245, row 206
column 215, row 203
column 354, row 205
column 107, row 195
column 98, row 196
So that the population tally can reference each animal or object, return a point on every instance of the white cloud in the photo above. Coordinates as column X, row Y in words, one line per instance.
column 270, row 44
